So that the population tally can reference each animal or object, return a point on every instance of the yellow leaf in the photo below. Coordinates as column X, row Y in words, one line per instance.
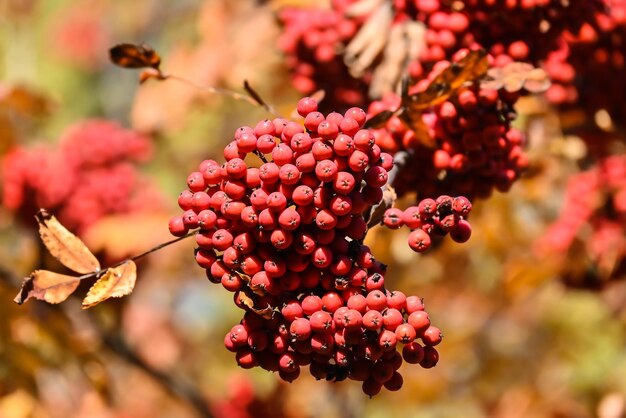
column 248, row 299
column 116, row 282
column 65, row 246
column 48, row 286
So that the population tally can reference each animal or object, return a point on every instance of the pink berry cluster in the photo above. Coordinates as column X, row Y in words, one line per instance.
column 310, row 42
column 92, row 173
column 471, row 147
column 595, row 204
column 281, row 225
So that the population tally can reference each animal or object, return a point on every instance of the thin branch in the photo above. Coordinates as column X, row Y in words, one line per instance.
column 252, row 97
column 175, row 386
column 136, row 257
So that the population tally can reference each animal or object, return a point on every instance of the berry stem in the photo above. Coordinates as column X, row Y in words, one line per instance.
column 136, row 257
column 252, row 97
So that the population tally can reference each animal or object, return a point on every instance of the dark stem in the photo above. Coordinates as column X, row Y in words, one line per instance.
column 175, row 386
column 136, row 257
column 400, row 160
column 254, row 100
column 260, row 155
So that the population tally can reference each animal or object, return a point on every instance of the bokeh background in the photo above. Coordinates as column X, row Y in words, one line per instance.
column 527, row 333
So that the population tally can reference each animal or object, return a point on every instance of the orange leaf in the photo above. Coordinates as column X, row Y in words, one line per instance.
column 48, row 286
column 65, row 246
column 247, row 298
column 471, row 67
column 116, row 282
column 379, row 119
column 135, row 56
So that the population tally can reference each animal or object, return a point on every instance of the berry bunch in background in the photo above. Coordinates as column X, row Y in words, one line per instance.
column 386, row 39
column 588, row 68
column 310, row 41
column 592, row 221
column 281, row 224
column 468, row 146
column 92, row 173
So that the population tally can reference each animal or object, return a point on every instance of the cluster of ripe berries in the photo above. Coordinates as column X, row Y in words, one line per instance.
column 587, row 68
column 525, row 30
column 593, row 212
column 310, row 41
column 92, row 173
column 285, row 236
column 471, row 147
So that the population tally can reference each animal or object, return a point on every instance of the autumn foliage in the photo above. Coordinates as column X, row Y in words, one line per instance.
column 336, row 160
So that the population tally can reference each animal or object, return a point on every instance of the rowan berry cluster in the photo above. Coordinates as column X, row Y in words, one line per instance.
column 595, row 204
column 310, row 43
column 92, row 173
column 526, row 31
column 286, row 238
column 432, row 218
column 470, row 146
column 587, row 70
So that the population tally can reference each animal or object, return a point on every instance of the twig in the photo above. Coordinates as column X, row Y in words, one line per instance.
column 173, row 385
column 136, row 257
column 252, row 98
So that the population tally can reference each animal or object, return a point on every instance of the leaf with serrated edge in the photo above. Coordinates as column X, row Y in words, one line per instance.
column 65, row 246
column 115, row 283
column 47, row 286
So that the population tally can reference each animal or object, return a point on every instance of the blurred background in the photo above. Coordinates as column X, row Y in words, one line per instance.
column 534, row 320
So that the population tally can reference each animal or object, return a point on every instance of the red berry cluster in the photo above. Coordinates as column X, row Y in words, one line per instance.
column 588, row 68
column 93, row 173
column 310, row 41
column 525, row 30
column 595, row 202
column 286, row 238
column 432, row 218
column 471, row 148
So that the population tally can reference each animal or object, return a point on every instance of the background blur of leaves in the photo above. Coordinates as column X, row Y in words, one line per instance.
column 518, row 343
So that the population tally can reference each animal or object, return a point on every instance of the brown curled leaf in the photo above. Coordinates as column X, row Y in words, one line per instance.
column 116, row 282
column 47, row 286
column 471, row 67
column 65, row 246
column 135, row 56
column 379, row 119
column 377, row 211
column 247, row 298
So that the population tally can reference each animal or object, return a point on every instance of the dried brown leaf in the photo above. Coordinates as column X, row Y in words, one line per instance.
column 414, row 121
column 116, row 282
column 377, row 211
column 135, row 56
column 471, row 67
column 47, row 286
column 247, row 299
column 65, row 246
column 379, row 119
